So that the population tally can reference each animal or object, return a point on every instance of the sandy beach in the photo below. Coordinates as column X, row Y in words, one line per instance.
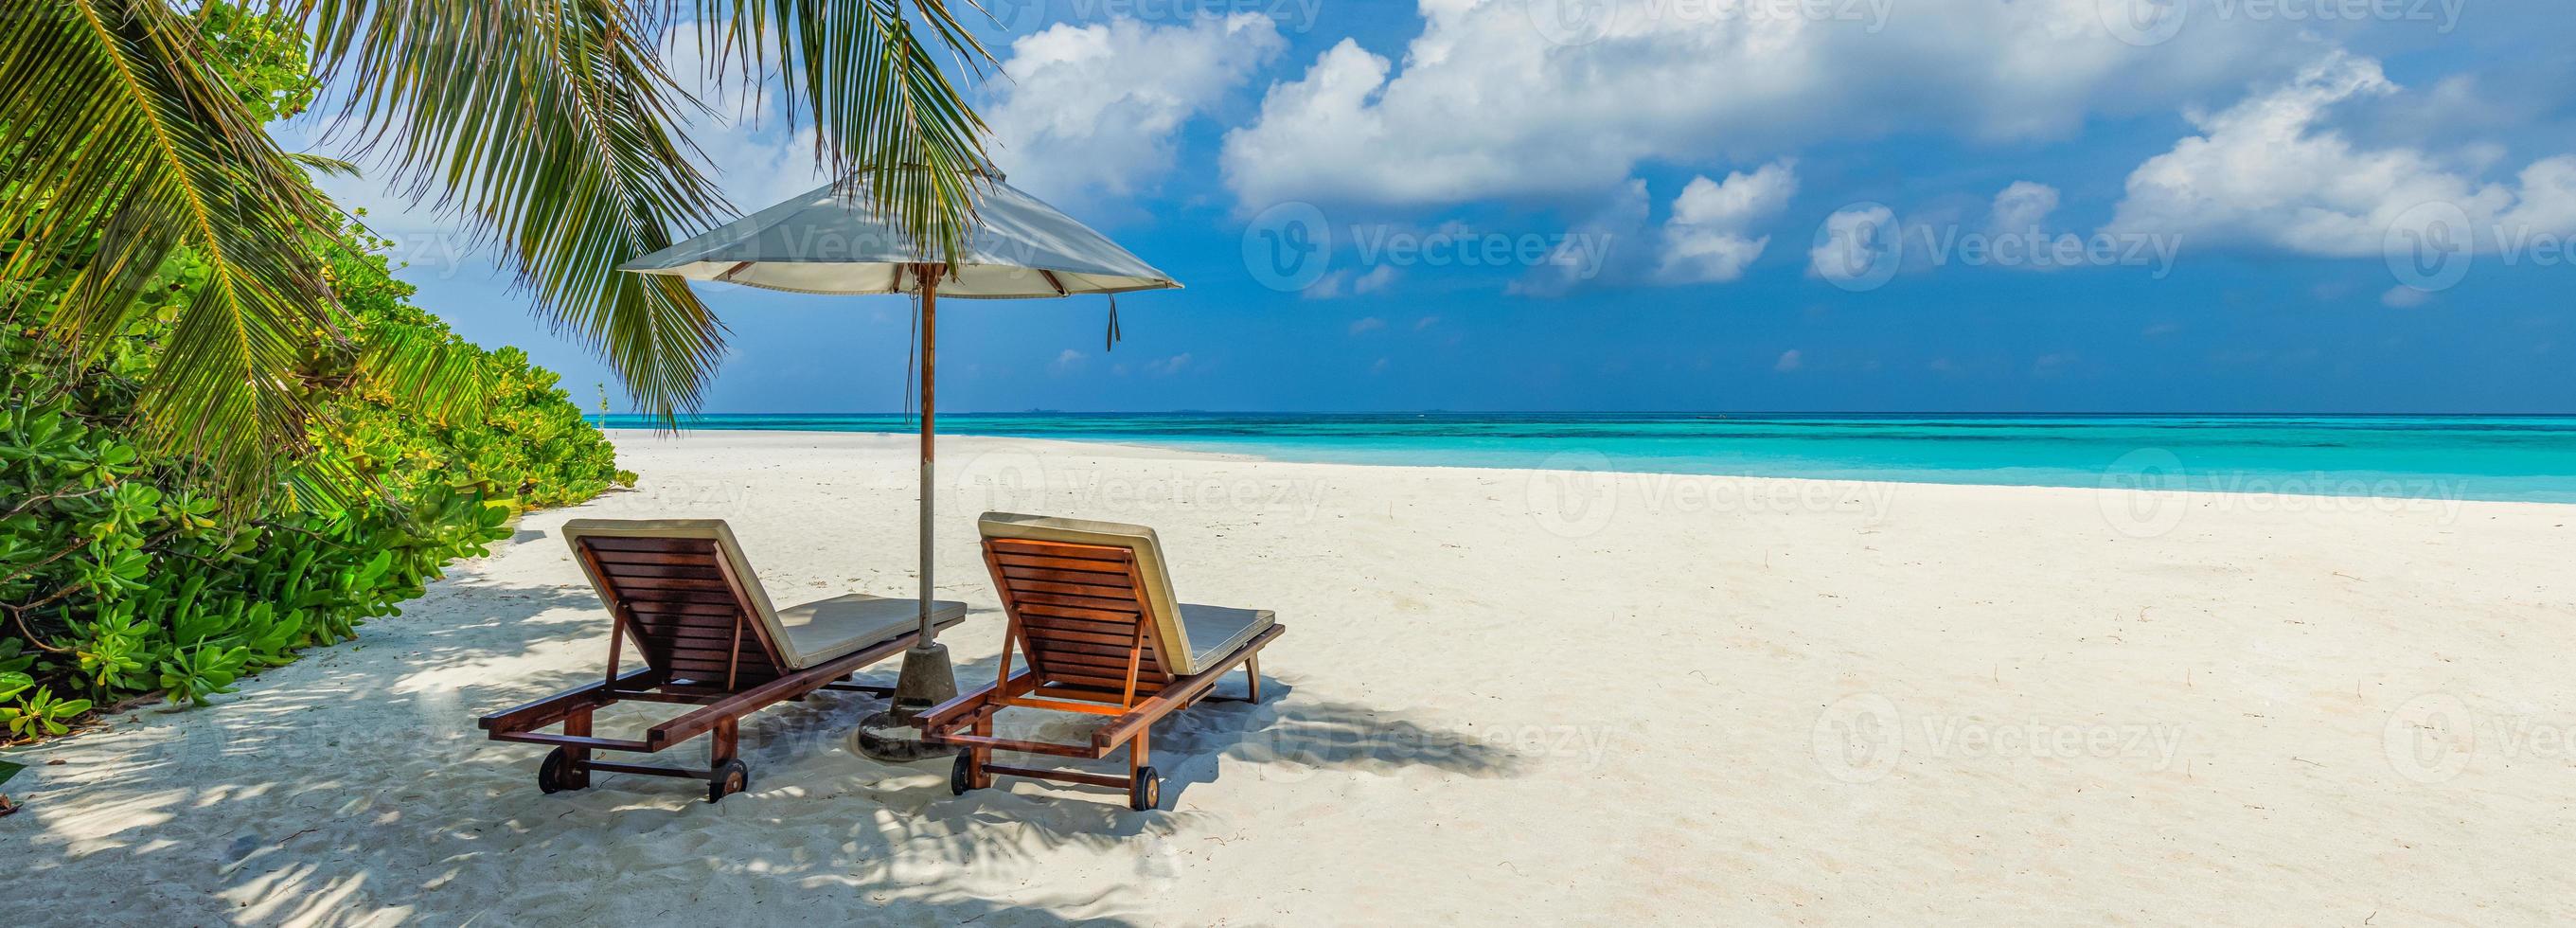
column 1563, row 696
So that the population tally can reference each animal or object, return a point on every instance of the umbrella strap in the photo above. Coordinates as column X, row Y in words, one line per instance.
column 911, row 358
column 1109, row 342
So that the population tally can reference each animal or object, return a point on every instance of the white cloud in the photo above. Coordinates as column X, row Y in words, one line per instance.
column 1370, row 324
column 1346, row 282
column 2022, row 208
column 2404, row 297
column 2264, row 172
column 1095, row 109
column 1375, row 280
column 1068, row 361
column 1846, row 253
column 1484, row 104
column 1708, row 237
column 1168, row 366
column 1790, row 360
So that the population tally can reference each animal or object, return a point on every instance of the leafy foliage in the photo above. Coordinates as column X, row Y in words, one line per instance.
column 118, row 580
column 550, row 128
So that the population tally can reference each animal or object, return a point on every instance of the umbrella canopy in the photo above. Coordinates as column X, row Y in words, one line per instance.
column 831, row 241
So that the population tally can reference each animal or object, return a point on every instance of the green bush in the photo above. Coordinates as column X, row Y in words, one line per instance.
column 122, row 573
column 128, row 581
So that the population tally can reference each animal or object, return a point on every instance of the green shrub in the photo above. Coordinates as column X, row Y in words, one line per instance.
column 120, row 573
column 128, row 581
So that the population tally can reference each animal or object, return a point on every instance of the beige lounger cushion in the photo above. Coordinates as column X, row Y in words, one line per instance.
column 1186, row 635
column 1216, row 631
column 808, row 633
column 827, row 628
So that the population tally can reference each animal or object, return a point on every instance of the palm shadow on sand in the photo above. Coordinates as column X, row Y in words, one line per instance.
column 250, row 793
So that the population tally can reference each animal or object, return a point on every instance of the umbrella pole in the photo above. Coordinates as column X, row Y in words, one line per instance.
column 926, row 679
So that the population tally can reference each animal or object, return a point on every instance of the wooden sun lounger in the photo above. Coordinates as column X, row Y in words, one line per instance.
column 1093, row 616
column 680, row 591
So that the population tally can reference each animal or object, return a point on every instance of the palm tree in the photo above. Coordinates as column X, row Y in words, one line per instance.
column 548, row 127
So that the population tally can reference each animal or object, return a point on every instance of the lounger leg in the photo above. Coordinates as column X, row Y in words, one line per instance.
column 727, row 774
column 1252, row 674
column 726, row 743
column 980, row 777
column 577, row 773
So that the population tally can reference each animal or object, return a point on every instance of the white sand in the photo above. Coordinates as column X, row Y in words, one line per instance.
column 1714, row 701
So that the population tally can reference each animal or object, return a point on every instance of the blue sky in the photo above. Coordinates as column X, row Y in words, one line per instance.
column 2239, row 206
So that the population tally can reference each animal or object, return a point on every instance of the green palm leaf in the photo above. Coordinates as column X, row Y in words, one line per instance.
column 544, row 126
column 122, row 145
column 876, row 93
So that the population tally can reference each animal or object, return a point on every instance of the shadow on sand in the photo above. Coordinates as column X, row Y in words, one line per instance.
column 353, row 786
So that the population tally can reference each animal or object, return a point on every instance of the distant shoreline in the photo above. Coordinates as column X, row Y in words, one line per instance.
column 2491, row 458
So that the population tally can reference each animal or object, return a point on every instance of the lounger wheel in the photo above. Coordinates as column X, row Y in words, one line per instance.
column 1145, row 790
column 557, row 773
column 961, row 776
column 730, row 777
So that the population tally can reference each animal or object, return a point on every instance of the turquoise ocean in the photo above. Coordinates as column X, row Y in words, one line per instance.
column 2512, row 458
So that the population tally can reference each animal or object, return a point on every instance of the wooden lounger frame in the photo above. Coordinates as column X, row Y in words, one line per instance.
column 688, row 613
column 1078, row 617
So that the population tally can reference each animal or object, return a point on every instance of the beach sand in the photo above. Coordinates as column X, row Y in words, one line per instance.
column 1557, row 696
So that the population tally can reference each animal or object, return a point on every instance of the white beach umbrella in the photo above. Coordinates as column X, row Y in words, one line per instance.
column 831, row 241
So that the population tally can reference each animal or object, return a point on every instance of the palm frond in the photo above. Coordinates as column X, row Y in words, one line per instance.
column 119, row 144
column 324, row 164
column 880, row 102
column 426, row 370
column 545, row 127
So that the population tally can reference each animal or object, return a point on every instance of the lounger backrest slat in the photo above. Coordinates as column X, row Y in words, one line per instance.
column 1081, row 613
column 1149, row 592
column 681, row 588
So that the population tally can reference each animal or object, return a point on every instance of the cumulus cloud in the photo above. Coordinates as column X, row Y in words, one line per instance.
column 1851, row 247
column 2022, row 208
column 1790, row 360
column 1708, row 237
column 1095, row 109
column 1484, row 104
column 2265, row 172
column 1346, row 282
